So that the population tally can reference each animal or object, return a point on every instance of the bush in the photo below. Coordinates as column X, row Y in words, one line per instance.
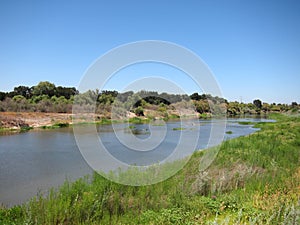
column 139, row 111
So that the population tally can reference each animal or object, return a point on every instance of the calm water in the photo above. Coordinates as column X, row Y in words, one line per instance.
column 32, row 162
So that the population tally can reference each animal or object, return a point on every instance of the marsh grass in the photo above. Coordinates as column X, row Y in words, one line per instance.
column 254, row 180
column 178, row 128
column 138, row 120
column 246, row 123
column 56, row 125
column 7, row 130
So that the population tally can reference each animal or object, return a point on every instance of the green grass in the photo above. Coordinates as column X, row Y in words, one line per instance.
column 56, row 125
column 229, row 132
column 138, row 120
column 173, row 116
column 105, row 121
column 26, row 128
column 11, row 130
column 253, row 178
column 246, row 123
column 178, row 128
column 4, row 130
column 204, row 116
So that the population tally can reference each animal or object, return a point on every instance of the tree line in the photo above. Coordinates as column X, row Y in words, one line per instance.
column 46, row 97
column 43, row 88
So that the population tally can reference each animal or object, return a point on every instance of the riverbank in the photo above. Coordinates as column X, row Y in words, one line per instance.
column 19, row 120
column 23, row 121
column 253, row 178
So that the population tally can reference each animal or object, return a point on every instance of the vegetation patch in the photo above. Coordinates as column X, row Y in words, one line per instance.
column 138, row 120
column 61, row 124
column 56, row 125
column 173, row 116
column 246, row 123
column 4, row 130
column 178, row 128
column 157, row 124
column 204, row 116
column 104, row 121
column 25, row 128
column 229, row 132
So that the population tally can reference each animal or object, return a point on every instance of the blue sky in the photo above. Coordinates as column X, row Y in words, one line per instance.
column 252, row 47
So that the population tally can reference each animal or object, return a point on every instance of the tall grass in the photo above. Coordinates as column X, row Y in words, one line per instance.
column 254, row 180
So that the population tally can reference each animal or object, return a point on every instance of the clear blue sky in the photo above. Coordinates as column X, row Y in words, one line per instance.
column 252, row 47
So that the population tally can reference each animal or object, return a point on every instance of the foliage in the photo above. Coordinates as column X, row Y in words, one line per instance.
column 139, row 111
column 56, row 125
column 178, row 128
column 257, row 103
column 138, row 120
column 44, row 88
column 245, row 123
column 44, row 97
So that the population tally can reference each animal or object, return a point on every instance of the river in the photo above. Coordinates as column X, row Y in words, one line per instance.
column 32, row 162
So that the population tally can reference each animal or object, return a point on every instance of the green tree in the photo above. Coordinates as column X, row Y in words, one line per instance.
column 38, row 98
column 131, row 101
column 44, row 88
column 266, row 107
column 106, row 99
column 67, row 92
column 86, row 98
column 139, row 111
column 233, row 108
column 24, row 91
column 19, row 103
column 294, row 104
column 19, row 98
column 195, row 96
column 2, row 96
column 202, row 106
column 257, row 103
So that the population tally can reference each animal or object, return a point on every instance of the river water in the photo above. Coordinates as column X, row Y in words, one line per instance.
column 35, row 161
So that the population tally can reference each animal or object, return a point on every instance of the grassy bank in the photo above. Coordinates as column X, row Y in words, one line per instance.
column 254, row 180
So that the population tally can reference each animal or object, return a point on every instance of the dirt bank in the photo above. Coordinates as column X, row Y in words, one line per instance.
column 21, row 120
column 18, row 120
